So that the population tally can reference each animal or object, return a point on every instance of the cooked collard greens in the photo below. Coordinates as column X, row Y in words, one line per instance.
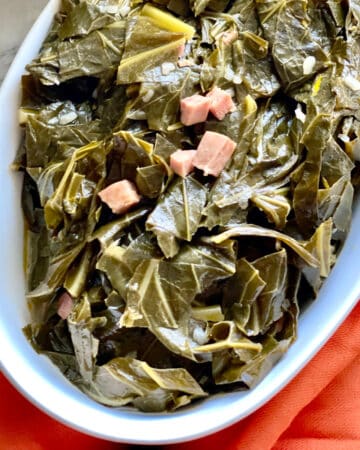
column 189, row 172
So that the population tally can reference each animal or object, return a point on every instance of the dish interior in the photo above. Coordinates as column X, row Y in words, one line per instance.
column 44, row 385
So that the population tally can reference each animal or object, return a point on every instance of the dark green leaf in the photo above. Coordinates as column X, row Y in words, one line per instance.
column 178, row 212
column 124, row 380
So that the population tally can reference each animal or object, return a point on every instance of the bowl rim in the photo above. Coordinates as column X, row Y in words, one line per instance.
column 287, row 368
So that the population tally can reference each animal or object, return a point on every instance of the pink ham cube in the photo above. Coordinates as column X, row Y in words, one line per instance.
column 194, row 109
column 214, row 151
column 120, row 196
column 221, row 103
column 181, row 162
column 65, row 305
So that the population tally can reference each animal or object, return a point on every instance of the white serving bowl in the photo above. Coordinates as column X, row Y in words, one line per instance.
column 43, row 384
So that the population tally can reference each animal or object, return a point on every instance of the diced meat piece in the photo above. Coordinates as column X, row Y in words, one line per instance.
column 221, row 103
column 187, row 62
column 120, row 196
column 229, row 37
column 65, row 305
column 194, row 109
column 181, row 162
column 213, row 153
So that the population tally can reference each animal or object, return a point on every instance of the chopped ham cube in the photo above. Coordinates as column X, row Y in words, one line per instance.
column 65, row 305
column 187, row 62
column 181, row 162
column 220, row 103
column 194, row 109
column 120, row 196
column 213, row 153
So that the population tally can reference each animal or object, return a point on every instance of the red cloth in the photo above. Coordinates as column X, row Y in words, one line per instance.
column 318, row 410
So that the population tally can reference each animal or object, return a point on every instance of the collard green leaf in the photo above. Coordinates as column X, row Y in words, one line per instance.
column 336, row 202
column 77, row 276
column 253, row 371
column 246, row 15
column 111, row 104
column 315, row 139
column 150, row 180
column 215, row 214
column 254, row 230
column 139, row 28
column 73, row 190
column 199, row 6
column 144, row 60
column 163, row 148
column 134, row 153
column 275, row 205
column 270, row 305
column 158, row 103
column 60, row 113
column 320, row 246
column 229, row 126
column 297, row 50
column 67, row 365
column 119, row 263
column 346, row 55
column 337, row 12
column 57, row 142
column 335, row 163
column 73, row 215
column 209, row 263
column 241, row 291
column 156, row 298
column 353, row 18
column 178, row 212
column 218, row 69
column 113, row 231
column 124, row 380
column 255, row 66
column 153, row 297
column 81, row 325
column 272, row 155
column 273, row 142
column 227, row 336
column 82, row 20
column 94, row 54
column 255, row 296
column 46, row 66
column 50, row 275
column 36, row 240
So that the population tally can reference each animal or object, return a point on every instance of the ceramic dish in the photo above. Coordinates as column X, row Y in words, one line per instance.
column 44, row 385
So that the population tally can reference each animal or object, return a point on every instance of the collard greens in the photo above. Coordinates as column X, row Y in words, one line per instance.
column 198, row 288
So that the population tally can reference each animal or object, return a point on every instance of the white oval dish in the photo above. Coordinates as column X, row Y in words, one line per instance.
column 44, row 385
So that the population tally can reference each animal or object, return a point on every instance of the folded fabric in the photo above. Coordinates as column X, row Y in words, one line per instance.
column 318, row 410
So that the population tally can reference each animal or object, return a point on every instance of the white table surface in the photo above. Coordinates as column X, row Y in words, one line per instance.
column 16, row 18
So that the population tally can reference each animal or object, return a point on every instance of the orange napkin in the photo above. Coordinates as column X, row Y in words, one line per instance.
column 318, row 410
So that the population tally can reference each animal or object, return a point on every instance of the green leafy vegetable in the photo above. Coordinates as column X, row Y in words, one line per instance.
column 253, row 230
column 153, row 390
column 197, row 289
column 299, row 41
column 178, row 213
column 160, row 293
column 81, row 325
column 95, row 54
